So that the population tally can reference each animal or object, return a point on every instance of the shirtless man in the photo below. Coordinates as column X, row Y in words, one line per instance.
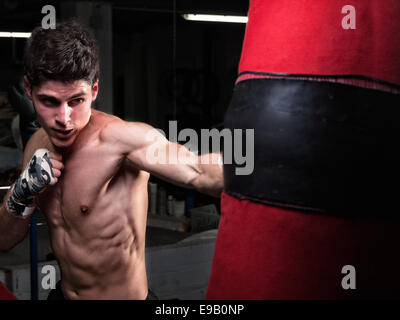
column 90, row 181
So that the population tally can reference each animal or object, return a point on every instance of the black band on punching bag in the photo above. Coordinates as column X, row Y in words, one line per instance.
column 319, row 146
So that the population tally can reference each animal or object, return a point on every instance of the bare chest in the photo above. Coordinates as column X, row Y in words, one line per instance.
column 82, row 186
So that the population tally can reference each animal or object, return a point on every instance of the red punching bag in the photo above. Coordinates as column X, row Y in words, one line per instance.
column 319, row 83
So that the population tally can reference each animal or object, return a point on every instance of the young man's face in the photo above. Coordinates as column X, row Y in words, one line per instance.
column 63, row 109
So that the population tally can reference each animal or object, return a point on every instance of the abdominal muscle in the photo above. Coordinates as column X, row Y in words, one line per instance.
column 101, row 254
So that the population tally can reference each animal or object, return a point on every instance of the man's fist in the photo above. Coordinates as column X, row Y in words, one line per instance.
column 42, row 170
column 56, row 165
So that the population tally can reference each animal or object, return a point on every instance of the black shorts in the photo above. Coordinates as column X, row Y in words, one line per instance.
column 57, row 294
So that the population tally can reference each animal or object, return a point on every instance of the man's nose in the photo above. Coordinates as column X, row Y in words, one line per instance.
column 63, row 116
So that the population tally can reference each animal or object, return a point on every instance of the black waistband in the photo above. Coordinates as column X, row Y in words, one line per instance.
column 323, row 147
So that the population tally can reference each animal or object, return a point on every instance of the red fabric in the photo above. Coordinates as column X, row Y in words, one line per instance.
column 5, row 294
column 265, row 252
column 306, row 37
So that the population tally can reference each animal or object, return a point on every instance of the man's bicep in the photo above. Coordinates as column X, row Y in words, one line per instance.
column 143, row 144
column 129, row 137
column 167, row 160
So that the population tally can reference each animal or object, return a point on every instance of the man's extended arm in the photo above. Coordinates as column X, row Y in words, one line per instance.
column 150, row 151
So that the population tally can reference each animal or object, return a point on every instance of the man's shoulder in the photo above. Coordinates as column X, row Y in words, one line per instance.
column 113, row 127
column 127, row 136
column 106, row 124
column 38, row 140
column 102, row 121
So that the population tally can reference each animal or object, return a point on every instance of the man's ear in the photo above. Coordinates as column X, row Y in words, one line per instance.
column 95, row 89
column 28, row 88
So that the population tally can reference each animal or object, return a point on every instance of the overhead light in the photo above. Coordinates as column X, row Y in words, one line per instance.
column 215, row 18
column 15, row 34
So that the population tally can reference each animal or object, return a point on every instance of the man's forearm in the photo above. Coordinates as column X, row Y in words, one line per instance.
column 210, row 181
column 12, row 229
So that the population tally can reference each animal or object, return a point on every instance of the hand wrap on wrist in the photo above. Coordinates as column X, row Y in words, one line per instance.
column 37, row 175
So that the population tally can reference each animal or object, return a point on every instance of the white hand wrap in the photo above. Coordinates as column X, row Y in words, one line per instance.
column 37, row 175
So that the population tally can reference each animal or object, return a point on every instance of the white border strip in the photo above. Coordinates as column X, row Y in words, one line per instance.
column 215, row 18
column 14, row 34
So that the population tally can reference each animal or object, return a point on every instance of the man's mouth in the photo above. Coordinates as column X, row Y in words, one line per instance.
column 62, row 133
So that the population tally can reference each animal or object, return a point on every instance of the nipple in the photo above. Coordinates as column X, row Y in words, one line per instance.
column 84, row 210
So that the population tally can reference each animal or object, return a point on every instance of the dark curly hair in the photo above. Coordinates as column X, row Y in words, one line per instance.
column 67, row 53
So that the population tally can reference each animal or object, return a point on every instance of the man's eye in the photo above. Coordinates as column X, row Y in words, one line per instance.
column 48, row 102
column 75, row 102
